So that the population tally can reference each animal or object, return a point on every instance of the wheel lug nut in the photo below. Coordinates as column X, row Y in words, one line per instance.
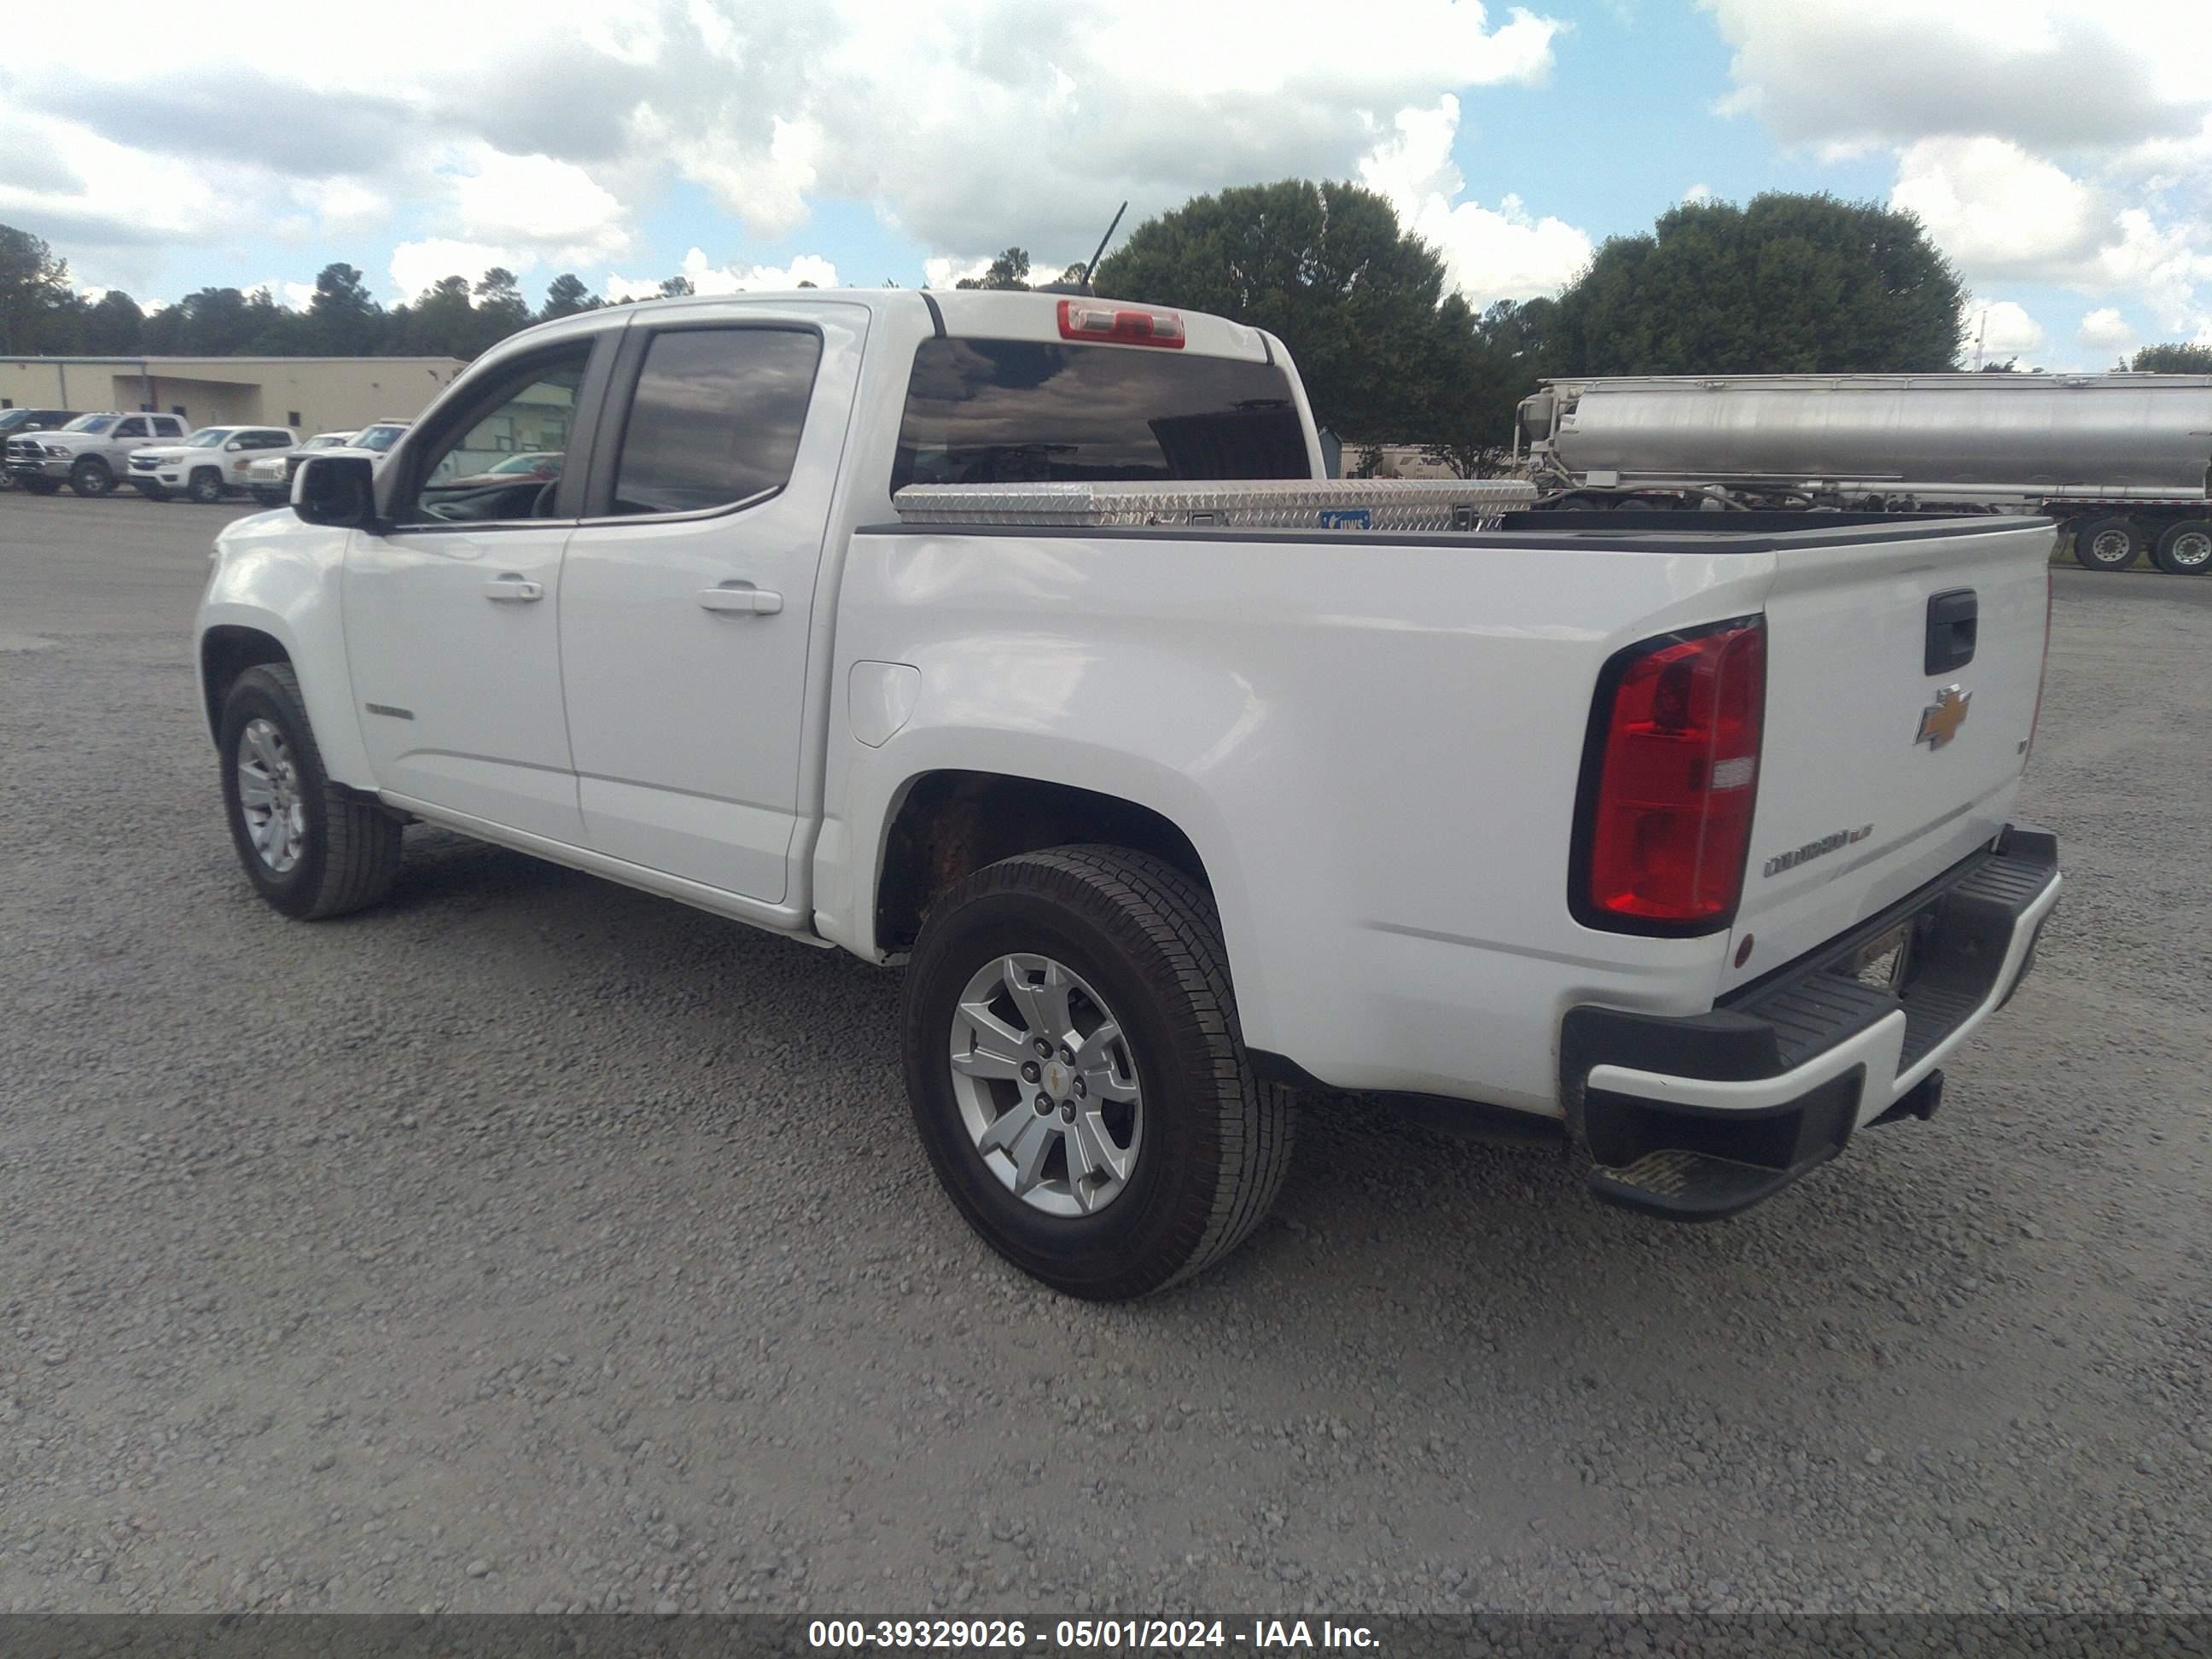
column 1042, row 1047
column 1043, row 1104
column 1067, row 1055
column 1029, row 1072
column 1081, row 1088
column 1068, row 1113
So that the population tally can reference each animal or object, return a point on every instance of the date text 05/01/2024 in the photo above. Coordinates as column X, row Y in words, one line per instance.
column 1173, row 1635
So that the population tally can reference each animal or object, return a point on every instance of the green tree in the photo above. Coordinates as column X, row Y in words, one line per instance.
column 343, row 319
column 566, row 296
column 676, row 287
column 38, row 310
column 1010, row 270
column 1328, row 269
column 112, row 328
column 1787, row 283
column 500, row 310
column 2175, row 359
column 1478, row 380
column 441, row 323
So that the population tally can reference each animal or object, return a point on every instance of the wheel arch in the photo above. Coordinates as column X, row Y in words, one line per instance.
column 227, row 651
column 947, row 822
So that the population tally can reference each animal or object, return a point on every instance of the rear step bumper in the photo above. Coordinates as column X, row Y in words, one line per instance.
column 1700, row 1117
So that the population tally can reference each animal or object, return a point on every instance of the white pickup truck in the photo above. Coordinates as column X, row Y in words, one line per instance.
column 910, row 623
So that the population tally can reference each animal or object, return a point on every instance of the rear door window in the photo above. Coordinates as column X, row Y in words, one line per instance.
column 716, row 418
column 1023, row 411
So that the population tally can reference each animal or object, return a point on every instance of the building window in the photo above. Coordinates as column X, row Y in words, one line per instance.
column 176, row 409
column 292, row 418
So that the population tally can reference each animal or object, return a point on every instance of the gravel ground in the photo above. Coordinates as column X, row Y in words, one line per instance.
column 531, row 1243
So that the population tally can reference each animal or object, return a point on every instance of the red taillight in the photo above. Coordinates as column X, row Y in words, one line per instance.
column 1097, row 319
column 2036, row 718
column 1667, row 815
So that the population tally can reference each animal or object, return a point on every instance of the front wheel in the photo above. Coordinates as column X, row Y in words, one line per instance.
column 40, row 486
column 90, row 476
column 309, row 848
column 1076, row 1069
column 2185, row 549
column 206, row 487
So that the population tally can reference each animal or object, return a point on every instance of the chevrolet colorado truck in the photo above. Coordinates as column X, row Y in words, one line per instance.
column 91, row 455
column 208, row 465
column 1020, row 640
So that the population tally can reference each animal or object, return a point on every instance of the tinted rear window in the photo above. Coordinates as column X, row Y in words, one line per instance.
column 1021, row 411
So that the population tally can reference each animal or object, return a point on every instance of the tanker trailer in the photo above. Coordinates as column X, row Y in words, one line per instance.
column 2123, row 461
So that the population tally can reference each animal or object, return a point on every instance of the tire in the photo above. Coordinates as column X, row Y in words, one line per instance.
column 91, row 478
column 270, row 497
column 42, row 486
column 1584, row 504
column 2185, row 549
column 153, row 492
column 1139, row 944
column 347, row 850
column 205, row 486
column 2107, row 544
column 6, row 480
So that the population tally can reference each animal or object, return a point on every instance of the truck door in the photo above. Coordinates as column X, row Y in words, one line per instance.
column 451, row 616
column 687, row 615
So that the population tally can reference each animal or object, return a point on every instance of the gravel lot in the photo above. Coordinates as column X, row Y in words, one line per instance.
column 531, row 1243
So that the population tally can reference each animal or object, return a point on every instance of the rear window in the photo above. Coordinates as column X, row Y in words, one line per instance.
column 1022, row 411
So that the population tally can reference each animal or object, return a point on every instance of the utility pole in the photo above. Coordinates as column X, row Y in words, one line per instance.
column 1981, row 333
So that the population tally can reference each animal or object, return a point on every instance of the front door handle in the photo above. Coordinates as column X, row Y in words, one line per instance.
column 742, row 597
column 513, row 589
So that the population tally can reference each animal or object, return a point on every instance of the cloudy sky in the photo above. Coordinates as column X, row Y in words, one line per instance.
column 2059, row 151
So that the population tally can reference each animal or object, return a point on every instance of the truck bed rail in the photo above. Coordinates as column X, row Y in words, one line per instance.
column 1371, row 504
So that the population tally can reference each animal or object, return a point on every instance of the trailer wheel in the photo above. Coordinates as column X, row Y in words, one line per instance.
column 1583, row 504
column 2185, row 549
column 2108, row 543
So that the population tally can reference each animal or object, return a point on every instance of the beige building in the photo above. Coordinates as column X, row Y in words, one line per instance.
column 313, row 394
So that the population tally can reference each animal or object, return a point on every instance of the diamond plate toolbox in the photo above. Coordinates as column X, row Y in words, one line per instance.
column 1353, row 504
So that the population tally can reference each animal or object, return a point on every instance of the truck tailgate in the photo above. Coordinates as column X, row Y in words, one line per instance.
column 1876, row 773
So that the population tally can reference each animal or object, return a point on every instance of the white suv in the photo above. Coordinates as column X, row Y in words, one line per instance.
column 208, row 465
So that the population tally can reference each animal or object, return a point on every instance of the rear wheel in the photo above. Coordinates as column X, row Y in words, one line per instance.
column 309, row 848
column 205, row 486
column 1076, row 1071
column 2185, row 549
column 2107, row 544
column 42, row 486
column 90, row 476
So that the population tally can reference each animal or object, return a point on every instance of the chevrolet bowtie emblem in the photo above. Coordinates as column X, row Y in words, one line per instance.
column 1941, row 720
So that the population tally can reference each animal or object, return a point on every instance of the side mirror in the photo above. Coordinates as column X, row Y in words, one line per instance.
column 337, row 491
column 235, row 444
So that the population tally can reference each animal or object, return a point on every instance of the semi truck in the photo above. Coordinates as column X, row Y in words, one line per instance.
column 2120, row 461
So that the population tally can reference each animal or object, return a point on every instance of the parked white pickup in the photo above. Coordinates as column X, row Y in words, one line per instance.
column 1687, row 846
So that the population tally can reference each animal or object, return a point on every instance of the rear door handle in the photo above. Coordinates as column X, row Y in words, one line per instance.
column 513, row 589
column 741, row 597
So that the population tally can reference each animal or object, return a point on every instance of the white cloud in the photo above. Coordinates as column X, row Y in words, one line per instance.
column 2041, row 72
column 947, row 273
column 1697, row 193
column 2002, row 329
column 968, row 123
column 417, row 265
column 707, row 277
column 534, row 200
column 2067, row 142
column 1491, row 254
column 2106, row 330
column 1997, row 210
